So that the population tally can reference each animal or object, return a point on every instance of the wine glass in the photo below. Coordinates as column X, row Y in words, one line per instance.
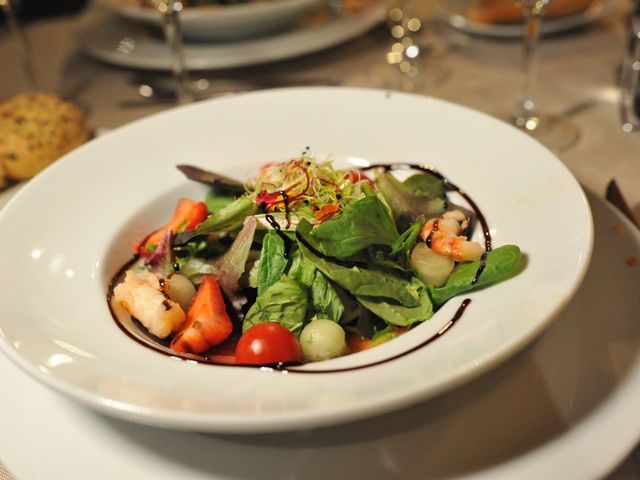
column 170, row 10
column 413, row 50
column 630, row 76
column 26, row 57
column 555, row 132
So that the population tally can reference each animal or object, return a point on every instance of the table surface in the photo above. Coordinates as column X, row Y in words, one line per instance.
column 577, row 75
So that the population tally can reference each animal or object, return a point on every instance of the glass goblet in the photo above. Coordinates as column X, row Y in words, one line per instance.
column 413, row 51
column 555, row 132
column 26, row 58
column 170, row 10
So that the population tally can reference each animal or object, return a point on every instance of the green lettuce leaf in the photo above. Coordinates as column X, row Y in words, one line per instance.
column 501, row 264
column 418, row 195
column 285, row 302
column 301, row 270
column 400, row 315
column 325, row 301
column 272, row 262
column 362, row 223
column 230, row 217
column 366, row 282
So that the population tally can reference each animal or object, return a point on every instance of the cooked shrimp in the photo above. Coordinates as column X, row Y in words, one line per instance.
column 442, row 235
column 143, row 298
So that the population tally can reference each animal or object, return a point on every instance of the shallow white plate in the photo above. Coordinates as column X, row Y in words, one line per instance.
column 105, row 195
column 252, row 19
column 564, row 408
column 111, row 40
column 549, row 26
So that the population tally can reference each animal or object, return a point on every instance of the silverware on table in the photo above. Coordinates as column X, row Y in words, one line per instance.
column 615, row 197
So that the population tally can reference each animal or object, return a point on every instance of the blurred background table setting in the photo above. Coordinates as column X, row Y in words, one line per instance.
column 564, row 71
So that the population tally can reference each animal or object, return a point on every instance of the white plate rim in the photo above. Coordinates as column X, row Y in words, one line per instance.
column 225, row 13
column 222, row 23
column 552, row 26
column 544, row 460
column 105, row 38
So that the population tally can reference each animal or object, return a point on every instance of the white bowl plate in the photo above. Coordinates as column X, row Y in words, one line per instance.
column 577, row 384
column 75, row 223
column 117, row 42
column 207, row 23
column 551, row 26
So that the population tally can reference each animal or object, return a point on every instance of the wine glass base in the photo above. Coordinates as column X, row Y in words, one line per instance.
column 425, row 79
column 556, row 133
column 421, row 75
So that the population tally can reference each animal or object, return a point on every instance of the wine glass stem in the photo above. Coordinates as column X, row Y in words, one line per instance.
column 173, row 35
column 532, row 11
column 21, row 39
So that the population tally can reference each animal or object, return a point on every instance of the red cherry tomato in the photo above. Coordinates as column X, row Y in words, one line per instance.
column 268, row 343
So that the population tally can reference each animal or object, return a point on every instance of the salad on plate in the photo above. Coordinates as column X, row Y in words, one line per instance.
column 305, row 262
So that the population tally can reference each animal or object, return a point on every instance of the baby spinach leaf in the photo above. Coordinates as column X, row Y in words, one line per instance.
column 227, row 268
column 301, row 269
column 407, row 240
column 501, row 263
column 324, row 299
column 195, row 268
column 367, row 282
column 272, row 261
column 362, row 223
column 366, row 324
column 216, row 202
column 400, row 315
column 425, row 185
column 384, row 335
column 409, row 201
column 383, row 261
column 284, row 302
column 226, row 219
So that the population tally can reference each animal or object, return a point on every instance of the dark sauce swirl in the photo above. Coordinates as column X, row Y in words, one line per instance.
column 434, row 229
column 285, row 201
column 285, row 238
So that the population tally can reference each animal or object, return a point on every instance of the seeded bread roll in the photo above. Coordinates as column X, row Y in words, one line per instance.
column 35, row 130
column 507, row 11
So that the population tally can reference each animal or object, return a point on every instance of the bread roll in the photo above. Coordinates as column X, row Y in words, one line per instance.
column 35, row 130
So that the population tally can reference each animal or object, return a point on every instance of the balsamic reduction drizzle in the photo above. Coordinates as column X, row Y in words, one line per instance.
column 434, row 229
column 283, row 368
column 276, row 226
column 287, row 213
column 483, row 264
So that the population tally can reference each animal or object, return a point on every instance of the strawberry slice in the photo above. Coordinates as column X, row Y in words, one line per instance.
column 207, row 322
column 187, row 216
